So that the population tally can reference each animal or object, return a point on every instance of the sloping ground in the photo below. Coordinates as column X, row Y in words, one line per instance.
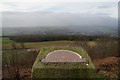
column 64, row 69
column 109, row 66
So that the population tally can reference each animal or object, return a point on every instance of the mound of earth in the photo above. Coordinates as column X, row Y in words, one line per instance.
column 73, row 61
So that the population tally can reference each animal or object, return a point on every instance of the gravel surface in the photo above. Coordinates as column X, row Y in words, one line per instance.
column 63, row 56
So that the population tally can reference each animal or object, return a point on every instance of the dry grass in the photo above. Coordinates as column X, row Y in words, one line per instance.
column 38, row 44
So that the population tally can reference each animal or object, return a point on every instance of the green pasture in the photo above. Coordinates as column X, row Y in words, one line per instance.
column 6, row 40
column 39, row 44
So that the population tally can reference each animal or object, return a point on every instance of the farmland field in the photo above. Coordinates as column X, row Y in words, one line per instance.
column 39, row 44
column 7, row 43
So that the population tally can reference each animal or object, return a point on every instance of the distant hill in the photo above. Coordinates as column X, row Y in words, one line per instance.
column 32, row 23
column 67, row 30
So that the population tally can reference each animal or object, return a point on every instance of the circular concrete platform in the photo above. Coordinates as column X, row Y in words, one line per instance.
column 63, row 56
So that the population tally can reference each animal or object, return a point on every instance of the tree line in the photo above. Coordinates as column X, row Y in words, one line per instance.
column 44, row 38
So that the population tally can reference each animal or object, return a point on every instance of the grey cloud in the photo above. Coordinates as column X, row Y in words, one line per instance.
column 11, row 4
column 31, row 19
column 103, row 6
column 108, row 5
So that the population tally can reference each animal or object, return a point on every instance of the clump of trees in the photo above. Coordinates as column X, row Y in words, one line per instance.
column 14, row 45
column 105, row 47
column 13, row 62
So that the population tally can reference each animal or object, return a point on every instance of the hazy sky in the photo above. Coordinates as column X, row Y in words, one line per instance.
column 25, row 14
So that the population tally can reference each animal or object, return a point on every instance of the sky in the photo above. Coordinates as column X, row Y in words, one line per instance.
column 64, row 13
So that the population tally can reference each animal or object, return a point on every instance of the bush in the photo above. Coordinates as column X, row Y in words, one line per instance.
column 104, row 47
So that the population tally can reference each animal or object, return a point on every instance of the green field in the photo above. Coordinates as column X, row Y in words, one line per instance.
column 7, row 44
column 6, row 40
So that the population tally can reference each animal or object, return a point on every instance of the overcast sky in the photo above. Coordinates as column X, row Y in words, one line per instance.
column 28, row 14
